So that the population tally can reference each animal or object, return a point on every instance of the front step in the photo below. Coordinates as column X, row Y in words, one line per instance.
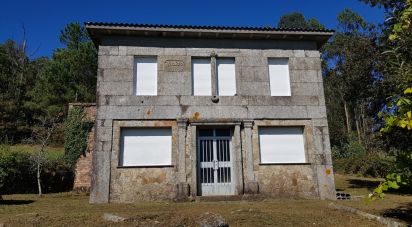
column 229, row 198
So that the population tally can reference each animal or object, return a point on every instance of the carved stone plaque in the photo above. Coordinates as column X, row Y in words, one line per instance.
column 174, row 65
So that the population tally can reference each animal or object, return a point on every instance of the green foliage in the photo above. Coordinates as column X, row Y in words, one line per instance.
column 17, row 174
column 351, row 149
column 297, row 20
column 70, row 76
column 351, row 58
column 373, row 165
column 75, row 137
column 73, row 35
column 402, row 115
column 396, row 112
column 32, row 88
column 17, row 76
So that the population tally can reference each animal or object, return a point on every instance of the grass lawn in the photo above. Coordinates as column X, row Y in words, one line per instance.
column 67, row 209
column 52, row 152
column 396, row 205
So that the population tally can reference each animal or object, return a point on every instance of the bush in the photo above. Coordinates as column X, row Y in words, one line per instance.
column 18, row 175
column 351, row 149
column 372, row 165
column 75, row 137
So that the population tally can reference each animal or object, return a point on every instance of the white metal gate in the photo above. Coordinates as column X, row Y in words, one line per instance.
column 215, row 164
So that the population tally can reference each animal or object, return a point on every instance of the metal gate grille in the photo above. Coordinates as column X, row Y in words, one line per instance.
column 215, row 165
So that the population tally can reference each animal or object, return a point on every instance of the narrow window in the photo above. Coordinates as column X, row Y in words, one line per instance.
column 201, row 77
column 281, row 145
column 145, row 146
column 279, row 77
column 226, row 78
column 145, row 76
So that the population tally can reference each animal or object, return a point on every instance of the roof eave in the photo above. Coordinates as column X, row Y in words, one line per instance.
column 98, row 31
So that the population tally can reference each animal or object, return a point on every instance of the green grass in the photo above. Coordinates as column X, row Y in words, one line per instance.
column 52, row 152
column 396, row 204
column 68, row 209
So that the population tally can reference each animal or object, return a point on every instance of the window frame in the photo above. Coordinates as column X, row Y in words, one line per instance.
column 214, row 77
column 217, row 75
column 121, row 148
column 305, row 150
column 135, row 76
column 193, row 75
column 274, row 93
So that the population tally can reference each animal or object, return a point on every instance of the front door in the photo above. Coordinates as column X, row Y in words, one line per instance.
column 215, row 165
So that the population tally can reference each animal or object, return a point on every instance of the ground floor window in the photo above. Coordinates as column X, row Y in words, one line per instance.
column 281, row 145
column 145, row 147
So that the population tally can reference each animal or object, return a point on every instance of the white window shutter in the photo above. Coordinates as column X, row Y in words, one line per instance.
column 226, row 76
column 279, row 77
column 145, row 76
column 281, row 145
column 146, row 146
column 201, row 77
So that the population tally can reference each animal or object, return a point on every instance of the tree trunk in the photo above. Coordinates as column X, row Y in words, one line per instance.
column 345, row 106
column 38, row 178
column 358, row 131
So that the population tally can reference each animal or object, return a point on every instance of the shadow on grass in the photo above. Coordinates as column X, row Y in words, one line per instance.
column 15, row 202
column 357, row 183
column 403, row 212
column 371, row 184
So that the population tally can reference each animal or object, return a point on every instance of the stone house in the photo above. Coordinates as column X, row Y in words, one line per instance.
column 197, row 111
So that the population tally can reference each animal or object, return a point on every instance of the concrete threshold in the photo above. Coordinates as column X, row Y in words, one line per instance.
column 229, row 198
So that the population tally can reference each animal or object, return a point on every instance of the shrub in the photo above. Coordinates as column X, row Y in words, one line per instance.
column 17, row 174
column 75, row 137
column 351, row 149
column 373, row 165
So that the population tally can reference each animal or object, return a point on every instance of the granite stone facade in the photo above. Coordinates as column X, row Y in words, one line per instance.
column 175, row 107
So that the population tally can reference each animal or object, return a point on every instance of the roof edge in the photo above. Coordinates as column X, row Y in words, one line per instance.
column 97, row 30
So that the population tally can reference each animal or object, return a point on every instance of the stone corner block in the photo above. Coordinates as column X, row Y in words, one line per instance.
column 182, row 192
column 251, row 187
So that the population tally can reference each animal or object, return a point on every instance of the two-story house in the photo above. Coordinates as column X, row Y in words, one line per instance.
column 187, row 111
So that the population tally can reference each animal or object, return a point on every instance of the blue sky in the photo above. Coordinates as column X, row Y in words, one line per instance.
column 43, row 19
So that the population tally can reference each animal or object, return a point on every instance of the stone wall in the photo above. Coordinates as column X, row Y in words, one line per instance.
column 83, row 169
column 252, row 106
column 130, row 184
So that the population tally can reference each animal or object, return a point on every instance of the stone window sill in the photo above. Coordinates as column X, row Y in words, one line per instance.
column 153, row 166
column 285, row 164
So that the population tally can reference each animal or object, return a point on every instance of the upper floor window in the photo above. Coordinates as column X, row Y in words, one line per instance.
column 201, row 76
column 145, row 78
column 226, row 76
column 279, row 77
column 213, row 76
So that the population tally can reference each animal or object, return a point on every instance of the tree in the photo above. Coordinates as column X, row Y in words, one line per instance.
column 351, row 75
column 297, row 20
column 397, row 112
column 17, row 75
column 41, row 135
column 70, row 76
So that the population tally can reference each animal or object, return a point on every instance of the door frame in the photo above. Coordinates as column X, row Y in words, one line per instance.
column 217, row 188
column 236, row 152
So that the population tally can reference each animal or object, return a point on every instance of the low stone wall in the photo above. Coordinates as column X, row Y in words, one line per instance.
column 83, row 170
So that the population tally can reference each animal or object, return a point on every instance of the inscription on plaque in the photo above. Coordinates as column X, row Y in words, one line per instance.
column 174, row 65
